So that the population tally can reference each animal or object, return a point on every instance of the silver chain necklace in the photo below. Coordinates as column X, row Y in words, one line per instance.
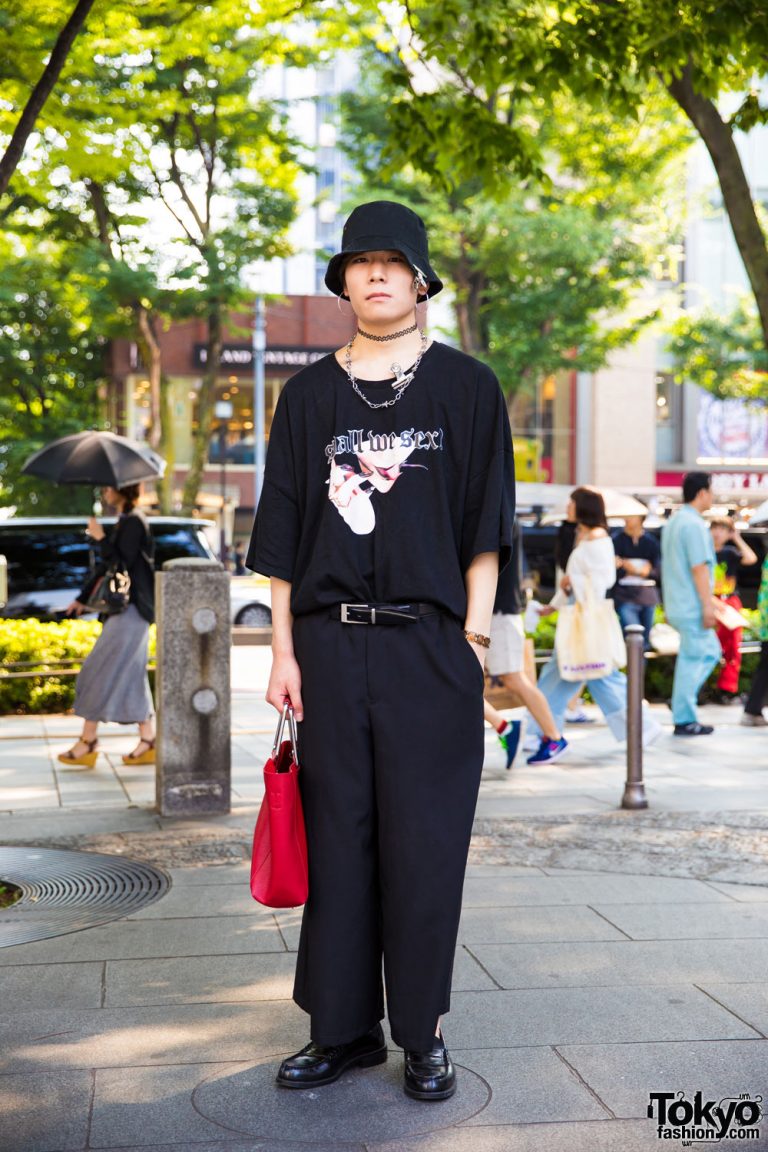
column 401, row 381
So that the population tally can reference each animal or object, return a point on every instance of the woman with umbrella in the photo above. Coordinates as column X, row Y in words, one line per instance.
column 113, row 684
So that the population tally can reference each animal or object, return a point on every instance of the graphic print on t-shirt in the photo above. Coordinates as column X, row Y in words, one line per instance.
column 726, row 571
column 379, row 461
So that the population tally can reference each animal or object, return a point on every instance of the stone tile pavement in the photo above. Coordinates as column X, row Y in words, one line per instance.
column 578, row 990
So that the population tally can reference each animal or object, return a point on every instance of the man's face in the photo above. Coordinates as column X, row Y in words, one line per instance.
column 380, row 286
column 720, row 535
column 705, row 499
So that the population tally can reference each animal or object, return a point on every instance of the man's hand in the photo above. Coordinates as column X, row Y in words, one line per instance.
column 708, row 619
column 285, row 684
column 479, row 651
column 75, row 608
column 547, row 610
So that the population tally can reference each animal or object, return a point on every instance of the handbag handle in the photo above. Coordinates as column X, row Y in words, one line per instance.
column 288, row 714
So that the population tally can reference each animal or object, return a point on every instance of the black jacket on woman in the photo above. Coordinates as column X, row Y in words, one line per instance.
column 129, row 543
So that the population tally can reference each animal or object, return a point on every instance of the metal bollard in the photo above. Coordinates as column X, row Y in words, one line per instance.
column 194, row 757
column 634, row 789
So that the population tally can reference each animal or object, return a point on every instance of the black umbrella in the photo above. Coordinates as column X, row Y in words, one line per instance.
column 95, row 458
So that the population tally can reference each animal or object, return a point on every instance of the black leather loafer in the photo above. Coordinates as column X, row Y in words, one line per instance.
column 316, row 1065
column 430, row 1075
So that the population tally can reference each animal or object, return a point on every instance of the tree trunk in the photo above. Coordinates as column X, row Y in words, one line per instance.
column 160, row 424
column 153, row 359
column 737, row 198
column 204, row 411
column 166, row 448
column 469, row 294
column 42, row 91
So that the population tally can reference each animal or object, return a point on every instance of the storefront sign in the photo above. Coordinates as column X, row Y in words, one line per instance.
column 241, row 356
column 721, row 481
column 732, row 431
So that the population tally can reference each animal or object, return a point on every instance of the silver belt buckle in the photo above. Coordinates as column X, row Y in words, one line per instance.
column 345, row 614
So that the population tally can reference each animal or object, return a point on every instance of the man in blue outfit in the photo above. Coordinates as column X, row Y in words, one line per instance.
column 687, row 568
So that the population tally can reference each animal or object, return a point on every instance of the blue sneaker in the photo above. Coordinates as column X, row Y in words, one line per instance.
column 549, row 751
column 510, row 739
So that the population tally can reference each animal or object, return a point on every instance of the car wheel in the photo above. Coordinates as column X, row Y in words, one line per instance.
column 255, row 616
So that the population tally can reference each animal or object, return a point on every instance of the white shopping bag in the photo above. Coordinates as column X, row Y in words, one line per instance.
column 589, row 642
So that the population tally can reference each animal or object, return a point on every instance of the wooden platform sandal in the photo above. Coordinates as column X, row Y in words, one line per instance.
column 87, row 760
column 147, row 757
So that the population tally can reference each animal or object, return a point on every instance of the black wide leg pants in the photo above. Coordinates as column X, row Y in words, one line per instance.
column 391, row 749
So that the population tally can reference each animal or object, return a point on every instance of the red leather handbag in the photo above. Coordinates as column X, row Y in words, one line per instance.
column 279, row 872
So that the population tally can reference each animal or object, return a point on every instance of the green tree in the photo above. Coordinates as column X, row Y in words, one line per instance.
column 158, row 115
column 541, row 270
column 724, row 354
column 479, row 64
column 51, row 364
column 17, row 64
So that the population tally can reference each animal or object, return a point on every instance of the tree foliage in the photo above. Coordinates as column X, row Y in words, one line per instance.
column 724, row 354
column 460, row 107
column 540, row 271
column 50, row 365
column 160, row 167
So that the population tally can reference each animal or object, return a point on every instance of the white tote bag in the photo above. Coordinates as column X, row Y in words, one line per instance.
column 589, row 642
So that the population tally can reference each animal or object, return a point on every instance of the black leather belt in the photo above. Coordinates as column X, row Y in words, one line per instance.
column 382, row 613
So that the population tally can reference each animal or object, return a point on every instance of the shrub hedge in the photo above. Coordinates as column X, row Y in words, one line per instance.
column 24, row 641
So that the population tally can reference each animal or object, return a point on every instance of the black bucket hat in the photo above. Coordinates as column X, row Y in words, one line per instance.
column 383, row 224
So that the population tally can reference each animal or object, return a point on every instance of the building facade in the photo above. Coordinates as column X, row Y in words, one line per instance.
column 299, row 330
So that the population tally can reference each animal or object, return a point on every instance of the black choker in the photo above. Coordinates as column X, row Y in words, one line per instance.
column 394, row 335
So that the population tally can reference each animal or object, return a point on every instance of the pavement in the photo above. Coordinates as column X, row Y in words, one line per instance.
column 603, row 955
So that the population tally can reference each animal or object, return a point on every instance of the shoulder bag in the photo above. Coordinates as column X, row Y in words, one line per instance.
column 111, row 594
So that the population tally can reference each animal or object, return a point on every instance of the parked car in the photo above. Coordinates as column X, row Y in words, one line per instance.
column 251, row 601
column 49, row 560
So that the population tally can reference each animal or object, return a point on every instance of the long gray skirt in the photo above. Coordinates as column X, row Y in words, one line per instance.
column 113, row 683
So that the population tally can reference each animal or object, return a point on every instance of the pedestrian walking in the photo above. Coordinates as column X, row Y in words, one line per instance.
column 731, row 551
column 505, row 659
column 238, row 559
column 565, row 542
column 590, row 572
column 112, row 685
column 387, row 507
column 687, row 570
column 636, row 591
column 758, row 689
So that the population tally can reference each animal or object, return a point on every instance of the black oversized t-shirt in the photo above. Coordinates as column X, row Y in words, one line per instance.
column 386, row 505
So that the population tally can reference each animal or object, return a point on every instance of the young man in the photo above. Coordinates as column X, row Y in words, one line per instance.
column 386, row 512
column 687, row 567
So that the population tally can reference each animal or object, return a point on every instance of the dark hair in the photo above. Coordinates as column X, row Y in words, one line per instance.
column 590, row 508
column 130, row 493
column 695, row 482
